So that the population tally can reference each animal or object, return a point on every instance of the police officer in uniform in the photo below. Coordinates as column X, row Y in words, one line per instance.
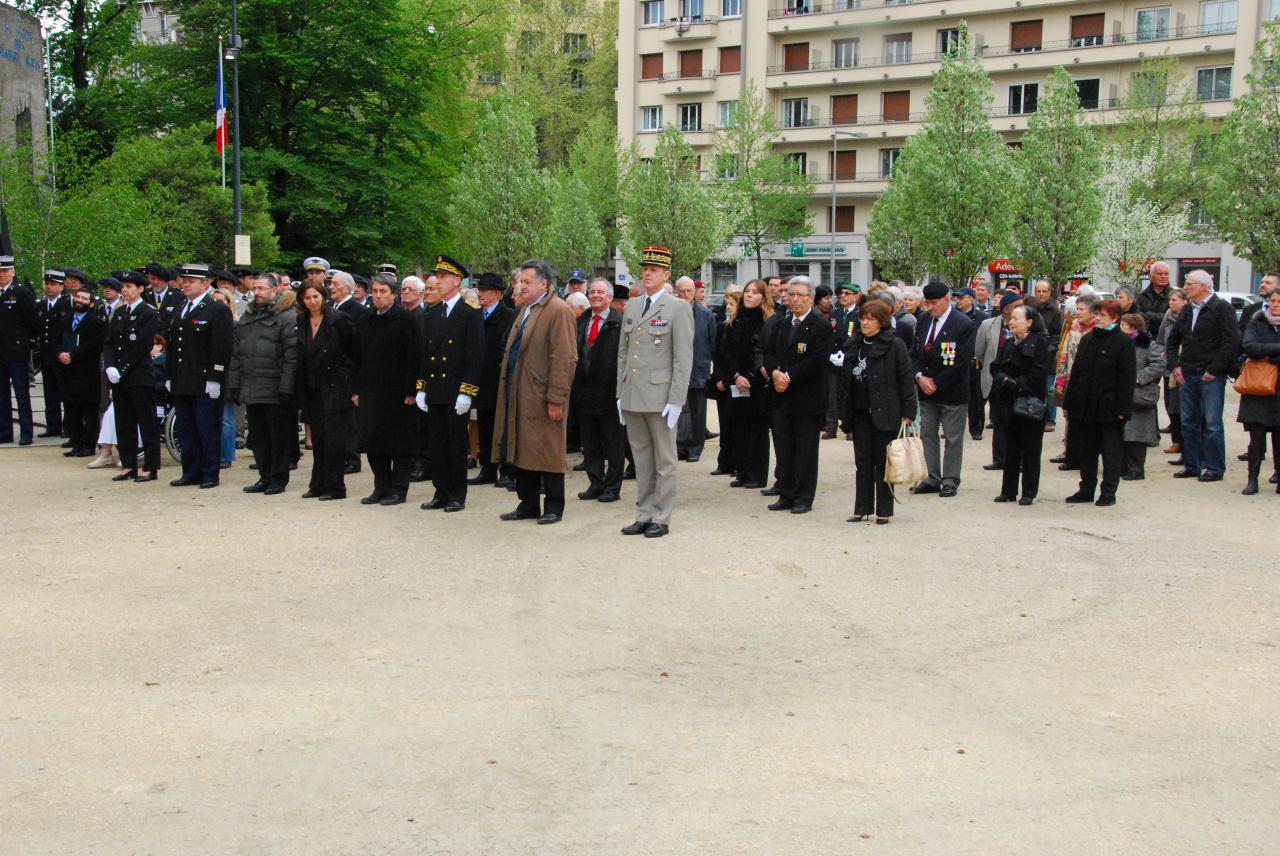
column 452, row 358
column 19, row 326
column 200, row 337
column 53, row 309
column 132, row 332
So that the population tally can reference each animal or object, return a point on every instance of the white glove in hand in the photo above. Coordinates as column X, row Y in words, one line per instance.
column 212, row 388
column 168, row 386
column 672, row 414
column 462, row 405
column 837, row 359
column 113, row 374
column 622, row 420
column 421, row 399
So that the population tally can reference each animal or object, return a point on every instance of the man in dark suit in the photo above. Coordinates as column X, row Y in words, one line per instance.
column 131, row 333
column 448, row 382
column 691, row 432
column 53, row 310
column 496, row 316
column 594, row 396
column 162, row 296
column 341, row 290
column 796, row 357
column 200, row 338
column 81, row 340
column 943, row 357
column 19, row 326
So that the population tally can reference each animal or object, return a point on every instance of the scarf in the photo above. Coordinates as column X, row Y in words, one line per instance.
column 1273, row 320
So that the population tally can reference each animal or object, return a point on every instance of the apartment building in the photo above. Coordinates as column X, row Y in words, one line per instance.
column 157, row 25
column 847, row 81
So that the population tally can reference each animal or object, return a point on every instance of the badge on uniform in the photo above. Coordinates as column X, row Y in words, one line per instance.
column 801, row 347
column 199, row 322
column 657, row 322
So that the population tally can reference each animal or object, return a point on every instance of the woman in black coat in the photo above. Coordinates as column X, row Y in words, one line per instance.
column 882, row 397
column 747, row 388
column 387, row 373
column 1021, row 368
column 326, row 367
column 1098, row 400
column 1261, row 413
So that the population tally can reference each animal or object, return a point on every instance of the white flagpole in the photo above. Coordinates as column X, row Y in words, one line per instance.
column 222, row 96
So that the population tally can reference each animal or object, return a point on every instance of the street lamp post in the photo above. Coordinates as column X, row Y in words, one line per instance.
column 233, row 56
column 835, row 138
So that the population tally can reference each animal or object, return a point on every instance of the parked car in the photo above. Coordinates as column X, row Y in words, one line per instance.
column 1239, row 300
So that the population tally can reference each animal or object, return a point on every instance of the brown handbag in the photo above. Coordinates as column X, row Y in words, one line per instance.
column 1258, row 377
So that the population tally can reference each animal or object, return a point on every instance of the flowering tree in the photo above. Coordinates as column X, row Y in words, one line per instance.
column 1133, row 228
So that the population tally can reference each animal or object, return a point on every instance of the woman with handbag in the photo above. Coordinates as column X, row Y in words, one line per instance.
column 1260, row 410
column 1098, row 401
column 750, row 400
column 1142, row 431
column 1020, row 371
column 882, row 402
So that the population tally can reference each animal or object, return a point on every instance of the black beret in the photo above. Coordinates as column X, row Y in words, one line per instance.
column 109, row 282
column 936, row 290
column 132, row 276
column 1009, row 298
column 158, row 270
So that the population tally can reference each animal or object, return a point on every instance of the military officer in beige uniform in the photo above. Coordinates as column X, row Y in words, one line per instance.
column 654, row 362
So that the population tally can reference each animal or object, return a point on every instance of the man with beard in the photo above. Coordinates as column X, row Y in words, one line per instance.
column 264, row 366
column 386, row 378
column 132, row 332
column 79, row 364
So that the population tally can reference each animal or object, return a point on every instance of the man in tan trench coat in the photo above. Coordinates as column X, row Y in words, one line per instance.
column 533, row 394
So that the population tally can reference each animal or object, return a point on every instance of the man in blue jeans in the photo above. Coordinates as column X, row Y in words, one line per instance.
column 1203, row 344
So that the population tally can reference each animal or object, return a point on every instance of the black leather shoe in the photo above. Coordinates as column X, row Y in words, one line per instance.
column 49, row 434
column 503, row 481
column 1177, row 462
column 1250, row 488
column 711, row 435
column 629, row 474
column 82, row 453
column 752, row 485
column 656, row 530
column 453, row 505
column 693, row 459
column 579, row 467
column 183, row 482
column 66, row 445
column 1207, row 476
column 993, row 466
column 392, row 499
column 208, row 485
column 151, row 476
column 637, row 528
column 1058, row 459
column 1004, row 497
column 257, row 487
column 348, row 469
column 925, row 487
column 1079, row 497
column 516, row 515
column 25, row 441
column 771, row 491
column 1104, row 501
column 225, row 465
column 432, row 504
column 1066, row 468
column 548, row 518
column 1275, row 479
column 1186, row 473
column 274, row 490
column 311, row 494
column 326, row 497
column 1026, row 500
column 719, row 472
column 126, row 475
column 372, row 499
column 781, row 505
column 948, row 490
column 737, row 483
column 801, row 508
column 483, row 478
column 591, row 493
column 610, row 496
column 1243, row 456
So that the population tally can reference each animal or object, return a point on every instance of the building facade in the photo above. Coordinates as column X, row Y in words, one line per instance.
column 156, row 24
column 24, row 118
column 847, row 79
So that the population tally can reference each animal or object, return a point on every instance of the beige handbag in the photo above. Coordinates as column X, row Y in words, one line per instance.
column 904, row 458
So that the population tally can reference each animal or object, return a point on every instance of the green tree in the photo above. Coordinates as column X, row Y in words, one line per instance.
column 1243, row 198
column 1056, row 170
column 1132, row 229
column 959, row 170
column 572, row 237
column 665, row 203
column 762, row 196
column 593, row 159
column 891, row 239
column 500, row 200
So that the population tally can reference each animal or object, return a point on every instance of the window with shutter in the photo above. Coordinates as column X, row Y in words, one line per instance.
column 844, row 109
column 731, row 60
column 846, row 166
column 651, row 66
column 1025, row 36
column 1087, row 30
column 896, row 106
column 843, row 218
column 795, row 57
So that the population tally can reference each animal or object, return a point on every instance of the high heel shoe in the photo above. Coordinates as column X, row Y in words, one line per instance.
column 857, row 518
column 151, row 476
column 880, row 521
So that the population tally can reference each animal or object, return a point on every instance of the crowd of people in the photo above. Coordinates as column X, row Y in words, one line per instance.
column 427, row 378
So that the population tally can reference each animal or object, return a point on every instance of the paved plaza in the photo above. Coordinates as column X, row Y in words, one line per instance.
column 208, row 672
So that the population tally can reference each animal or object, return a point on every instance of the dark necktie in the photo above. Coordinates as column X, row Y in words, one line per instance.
column 595, row 330
column 646, row 306
column 933, row 333
column 514, row 356
column 187, row 308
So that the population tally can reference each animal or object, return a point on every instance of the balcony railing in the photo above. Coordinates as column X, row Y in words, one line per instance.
column 1100, row 104
column 988, row 51
column 679, row 75
column 688, row 20
column 824, row 177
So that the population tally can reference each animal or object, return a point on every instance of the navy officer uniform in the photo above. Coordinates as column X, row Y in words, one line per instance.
column 19, row 326
column 162, row 296
column 133, row 330
column 200, row 339
column 53, row 311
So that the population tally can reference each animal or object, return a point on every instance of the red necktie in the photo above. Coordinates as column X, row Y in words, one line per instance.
column 933, row 333
column 594, row 331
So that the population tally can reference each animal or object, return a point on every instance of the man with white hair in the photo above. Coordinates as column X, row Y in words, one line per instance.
column 1153, row 302
column 1202, row 346
column 578, row 303
column 341, row 290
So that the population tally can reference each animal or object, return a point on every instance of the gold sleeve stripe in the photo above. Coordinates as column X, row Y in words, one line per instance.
column 420, row 386
column 469, row 389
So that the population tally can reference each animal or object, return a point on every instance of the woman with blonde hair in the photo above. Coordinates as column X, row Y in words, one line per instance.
column 747, row 387
column 719, row 390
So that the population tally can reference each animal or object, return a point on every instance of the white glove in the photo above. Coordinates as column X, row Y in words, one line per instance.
column 622, row 420
column 212, row 388
column 421, row 399
column 168, row 386
column 113, row 374
column 837, row 359
column 672, row 414
column 462, row 405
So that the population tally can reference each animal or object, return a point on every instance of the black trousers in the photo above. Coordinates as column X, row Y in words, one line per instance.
column 1099, row 438
column 81, row 423
column 724, row 458
column 603, row 449
column 977, row 405
column 273, row 435
column 530, row 484
column 998, row 431
column 484, row 433
column 136, row 414
column 328, row 446
column 390, row 473
column 1258, row 448
column 796, row 437
column 871, row 495
column 691, row 432
column 51, row 371
column 350, row 434
column 1171, row 406
column 750, row 436
column 1024, row 441
column 447, row 456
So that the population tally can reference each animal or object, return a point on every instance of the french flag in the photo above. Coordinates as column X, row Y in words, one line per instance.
column 220, row 114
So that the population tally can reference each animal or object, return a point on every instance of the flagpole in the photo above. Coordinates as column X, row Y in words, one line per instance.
column 222, row 90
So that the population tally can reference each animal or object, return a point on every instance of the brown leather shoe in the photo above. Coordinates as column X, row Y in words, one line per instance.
column 1173, row 449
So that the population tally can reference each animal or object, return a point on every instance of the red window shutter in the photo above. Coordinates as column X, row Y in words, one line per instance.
column 846, row 165
column 691, row 63
column 795, row 57
column 1087, row 26
column 651, row 66
column 896, row 106
column 844, row 218
column 730, row 60
column 1025, row 35
column 844, row 109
